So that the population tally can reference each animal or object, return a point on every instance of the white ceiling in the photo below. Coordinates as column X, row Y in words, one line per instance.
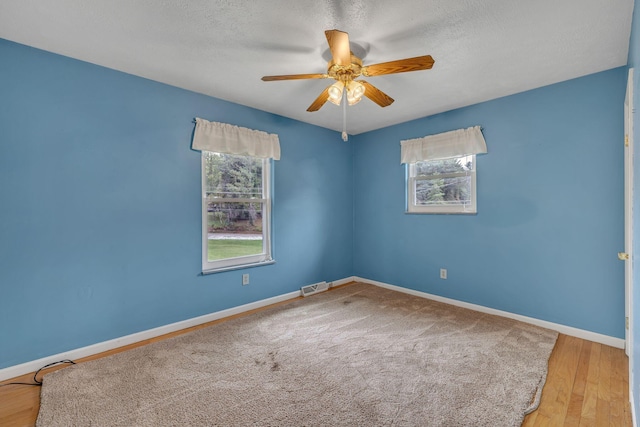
column 483, row 49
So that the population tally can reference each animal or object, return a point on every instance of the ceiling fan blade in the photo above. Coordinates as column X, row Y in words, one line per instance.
column 375, row 94
column 399, row 66
column 294, row 77
column 339, row 46
column 319, row 102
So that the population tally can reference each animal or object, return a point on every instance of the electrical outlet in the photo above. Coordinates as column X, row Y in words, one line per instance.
column 245, row 279
column 443, row 273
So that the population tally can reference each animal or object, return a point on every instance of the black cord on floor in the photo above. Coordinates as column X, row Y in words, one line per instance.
column 36, row 381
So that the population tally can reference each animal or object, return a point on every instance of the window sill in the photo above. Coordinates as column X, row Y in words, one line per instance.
column 237, row 267
column 440, row 213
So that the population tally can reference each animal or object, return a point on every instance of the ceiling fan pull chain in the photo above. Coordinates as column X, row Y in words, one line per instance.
column 345, row 137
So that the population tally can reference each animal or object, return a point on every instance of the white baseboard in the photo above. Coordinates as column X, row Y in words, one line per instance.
column 79, row 353
column 344, row 281
column 34, row 365
column 567, row 330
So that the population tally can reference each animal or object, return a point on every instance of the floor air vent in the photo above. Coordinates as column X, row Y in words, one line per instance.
column 314, row 289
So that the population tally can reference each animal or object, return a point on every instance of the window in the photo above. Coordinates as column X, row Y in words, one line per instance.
column 442, row 185
column 441, row 171
column 236, row 201
column 236, row 210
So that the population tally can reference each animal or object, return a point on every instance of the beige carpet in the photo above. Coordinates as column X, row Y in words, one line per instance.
column 359, row 355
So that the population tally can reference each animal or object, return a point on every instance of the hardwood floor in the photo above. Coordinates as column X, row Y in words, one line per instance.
column 587, row 385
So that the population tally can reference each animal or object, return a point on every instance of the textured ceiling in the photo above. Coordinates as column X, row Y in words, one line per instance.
column 483, row 49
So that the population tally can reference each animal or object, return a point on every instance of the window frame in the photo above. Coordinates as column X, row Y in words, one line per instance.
column 411, row 179
column 265, row 257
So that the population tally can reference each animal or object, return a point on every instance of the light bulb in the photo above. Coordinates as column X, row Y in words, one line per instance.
column 355, row 91
column 335, row 93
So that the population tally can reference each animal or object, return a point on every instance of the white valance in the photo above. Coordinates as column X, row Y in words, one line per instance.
column 230, row 139
column 456, row 143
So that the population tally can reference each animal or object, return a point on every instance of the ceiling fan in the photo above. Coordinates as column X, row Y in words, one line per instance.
column 345, row 68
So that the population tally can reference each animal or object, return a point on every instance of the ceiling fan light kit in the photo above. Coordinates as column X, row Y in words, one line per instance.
column 355, row 91
column 345, row 68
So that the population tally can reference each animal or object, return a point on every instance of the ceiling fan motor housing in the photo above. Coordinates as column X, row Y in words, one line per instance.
column 345, row 74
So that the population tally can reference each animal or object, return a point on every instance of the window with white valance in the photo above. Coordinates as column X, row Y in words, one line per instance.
column 441, row 171
column 236, row 194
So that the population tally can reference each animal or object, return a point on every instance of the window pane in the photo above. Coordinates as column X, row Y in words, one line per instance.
column 438, row 167
column 232, row 176
column 443, row 191
column 234, row 229
column 442, row 186
column 235, row 206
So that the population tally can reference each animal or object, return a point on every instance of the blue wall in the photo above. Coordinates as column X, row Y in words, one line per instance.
column 550, row 208
column 100, row 206
column 634, row 61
